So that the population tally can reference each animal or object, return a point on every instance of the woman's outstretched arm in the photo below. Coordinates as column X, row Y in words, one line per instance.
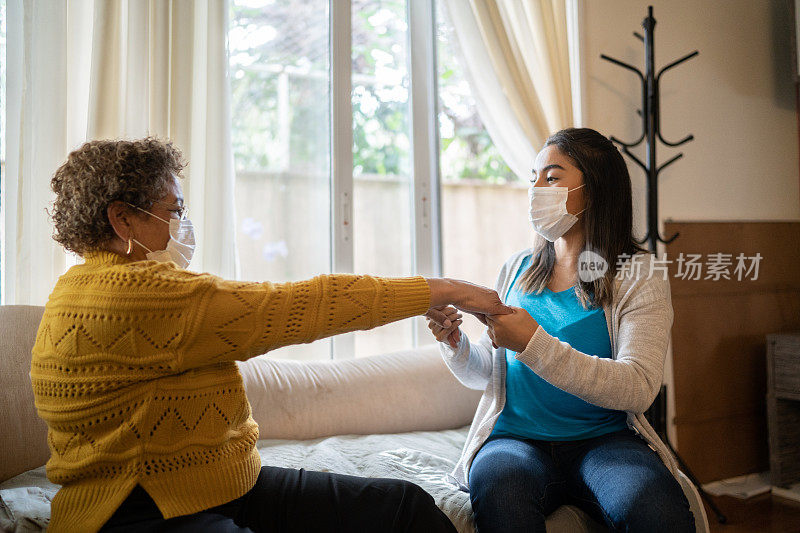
column 236, row 320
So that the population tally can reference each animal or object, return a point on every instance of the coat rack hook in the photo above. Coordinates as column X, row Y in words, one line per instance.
column 635, row 159
column 686, row 139
column 627, row 145
column 667, row 241
column 624, row 65
column 668, row 163
column 676, row 63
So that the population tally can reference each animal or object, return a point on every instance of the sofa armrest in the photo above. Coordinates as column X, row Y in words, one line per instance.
column 391, row 393
column 23, row 435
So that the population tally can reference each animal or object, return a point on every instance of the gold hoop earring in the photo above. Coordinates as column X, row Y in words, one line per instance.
column 130, row 246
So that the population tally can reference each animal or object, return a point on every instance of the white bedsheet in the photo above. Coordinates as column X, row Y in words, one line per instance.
column 424, row 457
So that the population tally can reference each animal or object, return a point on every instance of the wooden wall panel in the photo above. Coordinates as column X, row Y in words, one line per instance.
column 719, row 345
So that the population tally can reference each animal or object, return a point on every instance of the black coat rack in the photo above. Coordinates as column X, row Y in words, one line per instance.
column 651, row 129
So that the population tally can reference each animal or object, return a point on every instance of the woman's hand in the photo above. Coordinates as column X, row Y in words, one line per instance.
column 512, row 331
column 451, row 335
column 474, row 299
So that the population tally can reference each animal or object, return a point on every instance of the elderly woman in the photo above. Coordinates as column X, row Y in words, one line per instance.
column 133, row 367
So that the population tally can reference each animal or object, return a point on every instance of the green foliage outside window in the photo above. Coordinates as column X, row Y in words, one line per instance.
column 280, row 44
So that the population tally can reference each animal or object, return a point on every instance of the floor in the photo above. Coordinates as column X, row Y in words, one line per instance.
column 763, row 513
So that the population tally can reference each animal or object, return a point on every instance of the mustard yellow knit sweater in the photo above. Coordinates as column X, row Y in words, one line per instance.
column 133, row 371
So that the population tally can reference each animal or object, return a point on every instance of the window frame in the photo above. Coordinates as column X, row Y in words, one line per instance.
column 425, row 210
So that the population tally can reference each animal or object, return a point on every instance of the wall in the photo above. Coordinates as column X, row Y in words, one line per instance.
column 737, row 98
column 718, row 340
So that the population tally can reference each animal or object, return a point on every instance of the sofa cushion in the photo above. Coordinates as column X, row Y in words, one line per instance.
column 392, row 393
column 23, row 435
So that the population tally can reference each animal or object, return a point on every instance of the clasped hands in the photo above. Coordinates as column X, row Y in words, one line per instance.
column 508, row 327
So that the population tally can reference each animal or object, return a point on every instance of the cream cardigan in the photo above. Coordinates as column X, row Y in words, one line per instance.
column 639, row 321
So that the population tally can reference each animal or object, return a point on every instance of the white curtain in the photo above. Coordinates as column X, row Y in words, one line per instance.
column 517, row 61
column 48, row 87
column 82, row 70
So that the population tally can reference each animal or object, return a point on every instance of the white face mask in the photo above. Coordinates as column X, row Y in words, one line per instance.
column 548, row 212
column 180, row 246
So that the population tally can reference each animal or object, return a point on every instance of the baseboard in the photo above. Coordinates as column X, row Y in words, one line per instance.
column 789, row 493
column 741, row 487
column 749, row 485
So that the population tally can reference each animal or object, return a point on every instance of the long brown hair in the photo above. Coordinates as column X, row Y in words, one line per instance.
column 607, row 220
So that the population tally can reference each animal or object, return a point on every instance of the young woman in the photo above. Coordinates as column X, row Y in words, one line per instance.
column 567, row 376
column 134, row 369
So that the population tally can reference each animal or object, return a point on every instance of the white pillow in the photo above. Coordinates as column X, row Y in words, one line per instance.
column 391, row 393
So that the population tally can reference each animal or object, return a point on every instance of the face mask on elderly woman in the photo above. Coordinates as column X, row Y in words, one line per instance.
column 180, row 246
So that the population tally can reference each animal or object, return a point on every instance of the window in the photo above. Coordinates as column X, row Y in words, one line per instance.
column 3, row 81
column 382, row 166
column 484, row 204
column 330, row 177
column 3, row 94
column 280, row 97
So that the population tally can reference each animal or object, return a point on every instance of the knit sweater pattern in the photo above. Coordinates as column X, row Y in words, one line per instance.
column 134, row 372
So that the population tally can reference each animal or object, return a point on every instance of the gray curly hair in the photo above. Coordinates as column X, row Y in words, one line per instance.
column 137, row 172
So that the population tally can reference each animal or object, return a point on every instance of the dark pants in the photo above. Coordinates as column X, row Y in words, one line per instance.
column 616, row 478
column 284, row 499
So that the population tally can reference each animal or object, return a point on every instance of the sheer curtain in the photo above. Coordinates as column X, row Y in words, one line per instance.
column 517, row 60
column 83, row 70
column 48, row 87
column 161, row 68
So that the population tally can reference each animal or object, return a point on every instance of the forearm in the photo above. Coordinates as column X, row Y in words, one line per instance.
column 632, row 379
column 628, row 383
column 235, row 321
column 443, row 291
column 470, row 363
column 346, row 303
column 466, row 296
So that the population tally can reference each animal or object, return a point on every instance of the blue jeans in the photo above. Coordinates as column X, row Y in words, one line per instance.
column 615, row 478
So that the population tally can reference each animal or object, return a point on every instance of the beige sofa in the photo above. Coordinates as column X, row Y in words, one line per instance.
column 400, row 413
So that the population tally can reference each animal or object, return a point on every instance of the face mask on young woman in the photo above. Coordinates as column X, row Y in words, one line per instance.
column 548, row 211
column 180, row 246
